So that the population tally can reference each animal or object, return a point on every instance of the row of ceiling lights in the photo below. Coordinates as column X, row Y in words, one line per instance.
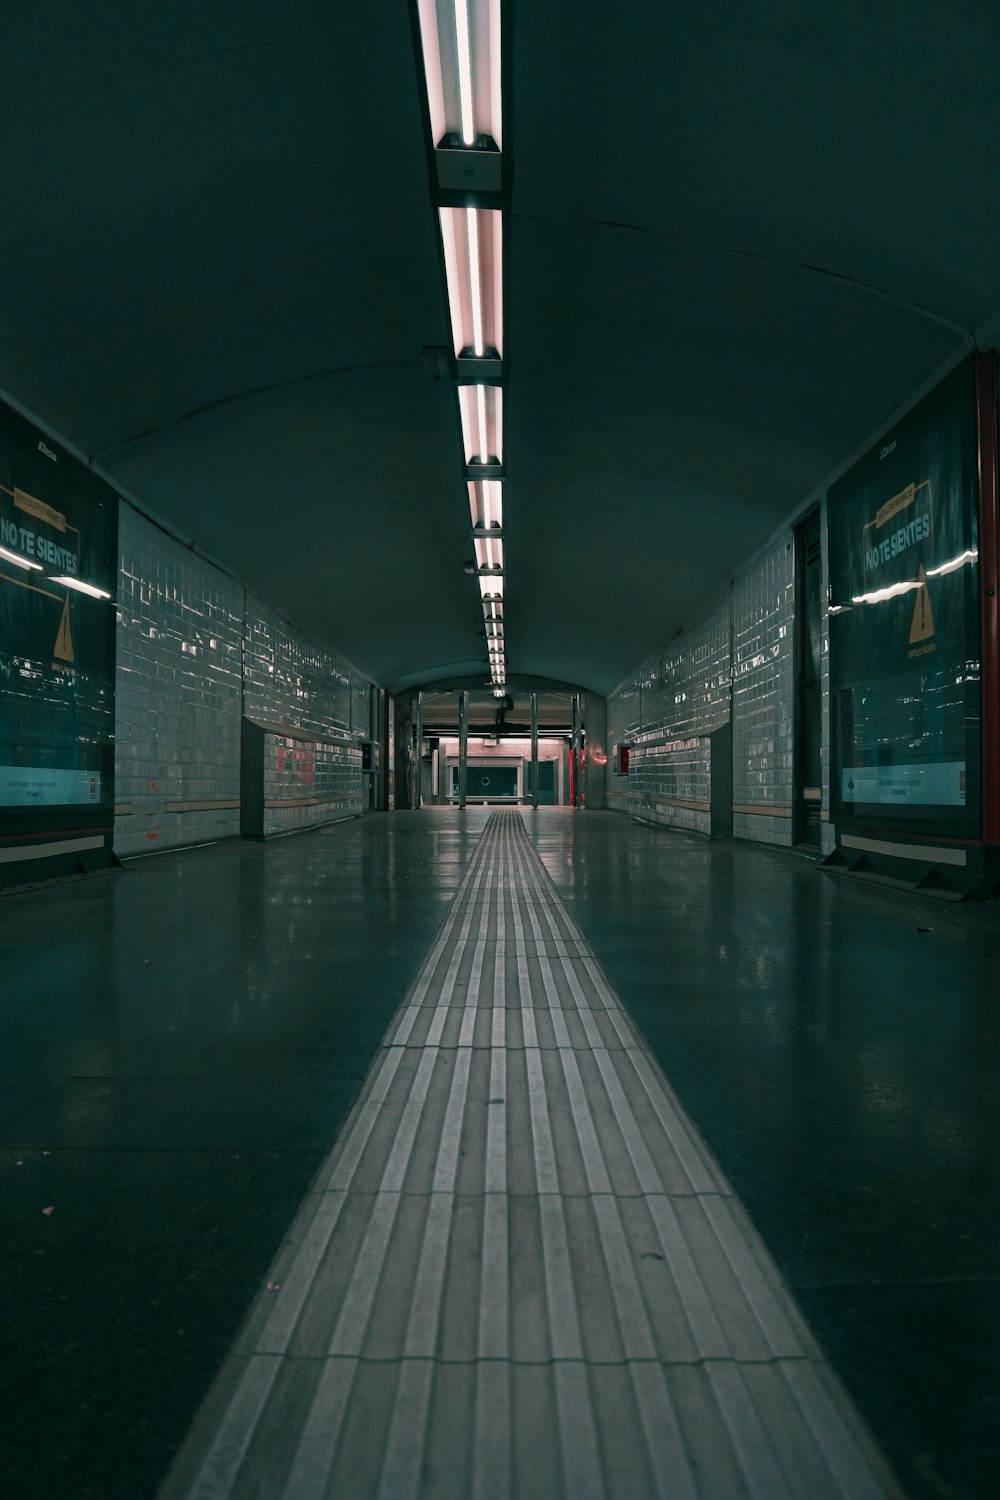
column 461, row 51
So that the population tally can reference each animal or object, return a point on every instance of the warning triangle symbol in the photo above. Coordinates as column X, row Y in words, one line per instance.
column 923, row 616
column 64, row 636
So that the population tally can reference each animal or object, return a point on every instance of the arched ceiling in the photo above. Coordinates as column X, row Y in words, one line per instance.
column 738, row 240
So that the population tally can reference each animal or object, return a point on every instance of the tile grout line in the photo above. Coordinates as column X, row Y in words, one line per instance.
column 422, row 1117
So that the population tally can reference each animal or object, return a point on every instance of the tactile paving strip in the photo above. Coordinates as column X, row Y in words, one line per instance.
column 520, row 1273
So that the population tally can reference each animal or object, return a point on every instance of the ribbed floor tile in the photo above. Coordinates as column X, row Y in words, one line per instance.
column 520, row 1273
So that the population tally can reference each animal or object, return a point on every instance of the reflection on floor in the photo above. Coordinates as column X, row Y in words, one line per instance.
column 519, row 1274
column 178, row 1045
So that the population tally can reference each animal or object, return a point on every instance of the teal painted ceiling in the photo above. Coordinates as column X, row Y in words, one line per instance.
column 739, row 239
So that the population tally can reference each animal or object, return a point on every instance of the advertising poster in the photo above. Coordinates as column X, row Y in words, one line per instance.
column 904, row 623
column 58, row 530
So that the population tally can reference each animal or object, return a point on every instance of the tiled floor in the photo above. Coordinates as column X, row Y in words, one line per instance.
column 519, row 1272
column 179, row 1044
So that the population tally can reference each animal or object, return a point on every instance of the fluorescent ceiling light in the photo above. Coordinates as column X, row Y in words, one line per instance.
column 482, row 423
column 460, row 40
column 486, row 504
column 491, row 585
column 81, row 587
column 472, row 240
column 489, row 552
column 18, row 560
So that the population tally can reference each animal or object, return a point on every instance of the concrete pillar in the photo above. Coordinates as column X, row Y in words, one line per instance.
column 596, row 750
column 463, row 745
column 418, row 760
column 534, row 751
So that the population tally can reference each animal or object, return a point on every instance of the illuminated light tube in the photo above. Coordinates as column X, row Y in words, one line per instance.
column 81, row 587
column 18, row 560
column 475, row 281
column 492, row 504
column 484, row 443
column 491, row 585
column 472, row 240
column 460, row 41
column 493, row 609
column 953, row 565
column 464, row 71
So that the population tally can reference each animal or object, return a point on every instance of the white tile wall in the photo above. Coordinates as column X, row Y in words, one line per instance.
column 321, row 779
column 669, row 703
column 187, row 672
column 763, row 694
column 177, row 697
column 666, row 711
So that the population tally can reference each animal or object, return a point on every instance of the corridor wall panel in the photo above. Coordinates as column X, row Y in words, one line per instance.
column 179, row 688
column 666, row 712
column 315, row 707
column 57, row 653
column 763, row 696
column 736, row 662
column 196, row 654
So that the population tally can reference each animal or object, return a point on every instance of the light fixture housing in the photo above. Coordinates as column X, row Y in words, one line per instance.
column 472, row 240
column 489, row 553
column 481, row 410
column 461, row 45
column 486, row 504
column 491, row 585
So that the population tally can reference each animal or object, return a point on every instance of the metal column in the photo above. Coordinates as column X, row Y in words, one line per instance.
column 989, row 571
column 418, row 800
column 575, row 751
column 463, row 745
column 534, row 751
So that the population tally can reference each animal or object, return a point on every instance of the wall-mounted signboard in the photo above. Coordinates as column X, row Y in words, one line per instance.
column 904, row 624
column 58, row 546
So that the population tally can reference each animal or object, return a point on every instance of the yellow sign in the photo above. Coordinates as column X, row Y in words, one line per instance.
column 38, row 508
column 63, row 650
column 896, row 504
column 922, row 626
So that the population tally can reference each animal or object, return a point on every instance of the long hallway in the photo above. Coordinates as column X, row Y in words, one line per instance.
column 833, row 1046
